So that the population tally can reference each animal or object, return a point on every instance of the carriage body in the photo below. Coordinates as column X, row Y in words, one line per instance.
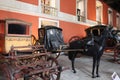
column 96, row 31
column 51, row 37
column 14, row 32
column 112, row 42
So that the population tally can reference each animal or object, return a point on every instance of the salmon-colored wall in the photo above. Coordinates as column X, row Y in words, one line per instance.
column 27, row 18
column 72, row 29
column 114, row 18
column 2, row 29
column 35, row 2
column 91, row 10
column 68, row 6
column 105, row 14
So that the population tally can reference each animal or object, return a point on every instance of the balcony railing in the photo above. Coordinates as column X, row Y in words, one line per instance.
column 49, row 10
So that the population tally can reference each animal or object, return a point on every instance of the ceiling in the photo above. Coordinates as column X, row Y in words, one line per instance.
column 115, row 4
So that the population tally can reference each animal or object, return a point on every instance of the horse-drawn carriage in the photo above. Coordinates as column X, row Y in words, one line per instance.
column 19, row 59
column 112, row 42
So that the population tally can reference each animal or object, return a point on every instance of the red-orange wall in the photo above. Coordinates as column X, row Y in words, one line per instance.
column 35, row 2
column 68, row 6
column 91, row 10
column 114, row 18
column 27, row 18
column 105, row 14
column 72, row 29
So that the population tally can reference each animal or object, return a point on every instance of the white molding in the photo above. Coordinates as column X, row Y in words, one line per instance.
column 90, row 22
column 19, row 7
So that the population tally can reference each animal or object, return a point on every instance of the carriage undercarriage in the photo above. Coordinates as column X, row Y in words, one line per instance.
column 35, row 64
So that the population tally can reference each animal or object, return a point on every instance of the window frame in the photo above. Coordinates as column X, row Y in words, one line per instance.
column 118, row 20
column 15, row 21
column 110, row 16
column 79, row 17
column 99, row 17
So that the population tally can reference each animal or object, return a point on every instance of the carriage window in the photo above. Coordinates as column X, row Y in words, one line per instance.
column 41, row 33
column 95, row 32
column 20, row 29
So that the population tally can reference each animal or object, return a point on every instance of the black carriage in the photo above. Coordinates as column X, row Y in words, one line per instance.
column 51, row 37
column 96, row 31
column 112, row 43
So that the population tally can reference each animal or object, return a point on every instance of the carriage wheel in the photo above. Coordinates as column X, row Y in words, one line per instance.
column 117, row 54
column 54, row 70
column 5, row 72
column 38, row 76
column 74, row 38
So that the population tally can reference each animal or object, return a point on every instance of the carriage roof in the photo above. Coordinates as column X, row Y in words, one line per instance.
column 50, row 27
column 95, row 30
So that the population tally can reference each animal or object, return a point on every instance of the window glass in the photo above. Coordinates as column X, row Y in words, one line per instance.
column 117, row 21
column 16, row 29
column 99, row 12
column 95, row 32
column 110, row 17
column 81, row 10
